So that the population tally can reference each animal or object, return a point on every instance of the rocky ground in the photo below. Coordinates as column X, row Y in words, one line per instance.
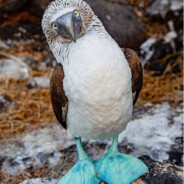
column 47, row 152
column 32, row 146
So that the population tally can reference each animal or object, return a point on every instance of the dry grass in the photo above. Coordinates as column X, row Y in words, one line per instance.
column 162, row 88
column 167, row 87
column 32, row 108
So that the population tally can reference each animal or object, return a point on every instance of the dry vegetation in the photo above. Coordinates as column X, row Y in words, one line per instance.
column 167, row 87
column 32, row 107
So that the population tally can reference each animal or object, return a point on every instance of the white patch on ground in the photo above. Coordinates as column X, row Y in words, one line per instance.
column 39, row 82
column 153, row 134
column 13, row 68
column 145, row 50
column 176, row 5
column 170, row 36
column 40, row 181
column 30, row 150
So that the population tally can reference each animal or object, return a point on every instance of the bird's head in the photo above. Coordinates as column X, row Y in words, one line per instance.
column 65, row 21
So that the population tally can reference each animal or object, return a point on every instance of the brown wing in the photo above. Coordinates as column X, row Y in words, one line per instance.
column 137, row 72
column 57, row 94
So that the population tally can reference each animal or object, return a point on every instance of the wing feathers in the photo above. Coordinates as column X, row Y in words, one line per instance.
column 57, row 94
column 137, row 72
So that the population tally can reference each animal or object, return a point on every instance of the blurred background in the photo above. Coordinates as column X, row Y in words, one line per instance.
column 32, row 144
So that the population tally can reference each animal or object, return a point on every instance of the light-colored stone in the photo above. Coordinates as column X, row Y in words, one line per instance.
column 48, row 180
column 13, row 68
column 39, row 82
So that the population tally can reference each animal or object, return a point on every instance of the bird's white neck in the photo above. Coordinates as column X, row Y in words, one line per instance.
column 62, row 51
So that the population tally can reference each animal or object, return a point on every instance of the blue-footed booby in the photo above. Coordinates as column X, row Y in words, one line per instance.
column 93, row 89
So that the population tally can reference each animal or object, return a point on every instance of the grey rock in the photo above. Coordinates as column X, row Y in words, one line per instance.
column 162, row 173
column 160, row 9
column 47, row 180
column 38, row 82
column 14, row 69
column 3, row 45
column 173, row 154
column 120, row 22
column 176, row 5
column 5, row 103
column 23, row 30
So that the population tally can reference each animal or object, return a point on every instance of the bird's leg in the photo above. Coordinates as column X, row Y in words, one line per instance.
column 83, row 172
column 117, row 168
column 81, row 153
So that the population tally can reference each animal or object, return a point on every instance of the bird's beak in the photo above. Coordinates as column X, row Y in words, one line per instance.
column 68, row 26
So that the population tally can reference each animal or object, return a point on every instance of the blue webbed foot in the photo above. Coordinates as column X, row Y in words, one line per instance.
column 83, row 172
column 117, row 168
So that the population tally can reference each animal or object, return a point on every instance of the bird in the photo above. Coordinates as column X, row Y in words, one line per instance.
column 93, row 89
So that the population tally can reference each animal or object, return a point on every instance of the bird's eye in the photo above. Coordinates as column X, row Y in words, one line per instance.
column 54, row 26
column 76, row 13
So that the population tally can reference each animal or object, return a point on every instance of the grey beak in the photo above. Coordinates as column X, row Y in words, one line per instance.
column 68, row 26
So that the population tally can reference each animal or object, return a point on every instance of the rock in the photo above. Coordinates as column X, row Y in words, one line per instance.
column 5, row 103
column 22, row 30
column 177, row 156
column 3, row 45
column 159, row 173
column 51, row 149
column 47, row 180
column 120, row 22
column 118, row 19
column 161, row 9
column 10, row 6
column 38, row 82
column 14, row 69
column 154, row 141
column 176, row 5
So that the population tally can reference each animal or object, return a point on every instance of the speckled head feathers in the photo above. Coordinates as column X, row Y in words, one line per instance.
column 58, row 8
